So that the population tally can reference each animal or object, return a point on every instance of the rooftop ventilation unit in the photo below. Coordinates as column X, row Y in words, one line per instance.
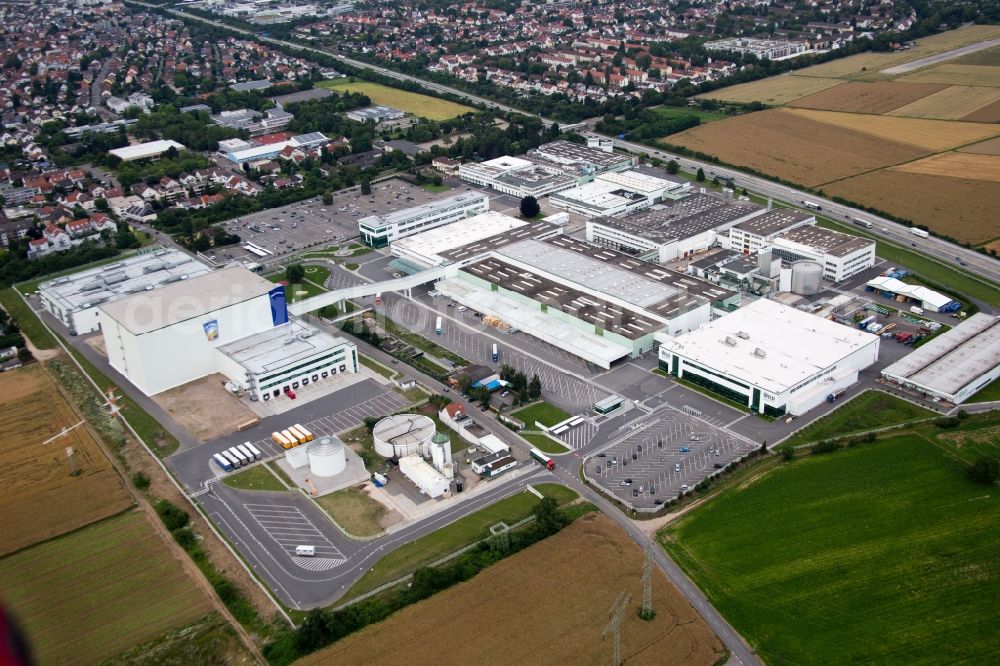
column 759, row 353
column 153, row 267
column 289, row 341
column 115, row 278
column 729, row 342
column 744, row 335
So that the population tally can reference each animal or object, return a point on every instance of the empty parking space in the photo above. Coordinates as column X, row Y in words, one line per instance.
column 289, row 527
column 665, row 457
column 352, row 417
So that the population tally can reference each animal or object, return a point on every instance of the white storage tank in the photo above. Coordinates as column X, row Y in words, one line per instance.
column 297, row 457
column 449, row 471
column 403, row 435
column 327, row 457
column 807, row 276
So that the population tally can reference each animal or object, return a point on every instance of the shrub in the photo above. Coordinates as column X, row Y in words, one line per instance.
column 173, row 517
column 986, row 470
column 140, row 481
column 826, row 446
column 185, row 537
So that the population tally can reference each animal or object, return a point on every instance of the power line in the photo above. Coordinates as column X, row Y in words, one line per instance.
column 646, row 612
column 617, row 614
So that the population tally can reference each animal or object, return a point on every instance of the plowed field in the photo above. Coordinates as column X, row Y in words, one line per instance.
column 860, row 97
column 962, row 165
column 952, row 103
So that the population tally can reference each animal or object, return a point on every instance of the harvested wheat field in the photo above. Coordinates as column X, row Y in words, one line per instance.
column 987, row 114
column 961, row 165
column 774, row 91
column 988, row 147
column 930, row 135
column 959, row 75
column 859, row 97
column 38, row 497
column 990, row 57
column 790, row 144
column 952, row 103
column 959, row 207
column 545, row 605
column 205, row 408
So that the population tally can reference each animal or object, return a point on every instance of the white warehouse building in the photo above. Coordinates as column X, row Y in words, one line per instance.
column 381, row 230
column 186, row 330
column 773, row 358
column 74, row 299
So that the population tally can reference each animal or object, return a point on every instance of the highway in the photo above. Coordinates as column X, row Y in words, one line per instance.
column 975, row 264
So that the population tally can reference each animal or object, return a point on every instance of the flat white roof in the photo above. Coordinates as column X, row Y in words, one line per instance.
column 934, row 299
column 599, row 195
column 456, row 201
column 769, row 345
column 152, row 310
column 429, row 244
column 143, row 150
column 94, row 286
column 281, row 346
column 954, row 359
column 636, row 181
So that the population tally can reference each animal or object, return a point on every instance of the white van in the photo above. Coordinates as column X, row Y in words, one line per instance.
column 305, row 551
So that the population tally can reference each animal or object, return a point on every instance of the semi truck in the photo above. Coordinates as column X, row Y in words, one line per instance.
column 813, row 205
column 222, row 462
column 240, row 458
column 496, row 353
column 919, row 232
column 231, row 458
column 862, row 223
column 836, row 395
column 437, row 326
column 242, row 448
column 254, row 450
column 547, row 462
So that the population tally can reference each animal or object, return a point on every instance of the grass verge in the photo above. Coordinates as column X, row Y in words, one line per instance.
column 26, row 320
column 356, row 512
column 377, row 367
column 541, row 412
column 544, row 443
column 868, row 411
column 256, row 478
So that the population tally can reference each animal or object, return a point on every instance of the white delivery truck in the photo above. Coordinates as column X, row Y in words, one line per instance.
column 305, row 551
column 916, row 310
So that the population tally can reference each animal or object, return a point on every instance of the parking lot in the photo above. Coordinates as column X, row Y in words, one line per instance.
column 289, row 527
column 664, row 456
column 311, row 223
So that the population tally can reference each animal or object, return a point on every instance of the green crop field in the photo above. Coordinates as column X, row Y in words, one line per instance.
column 883, row 553
column 93, row 594
column 543, row 412
column 418, row 104
column 868, row 411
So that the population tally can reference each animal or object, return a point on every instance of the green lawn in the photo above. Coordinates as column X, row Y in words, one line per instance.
column 446, row 540
column 317, row 274
column 880, row 554
column 988, row 394
column 297, row 292
column 26, row 320
column 256, row 478
column 679, row 111
column 545, row 443
column 356, row 512
column 560, row 493
column 351, row 267
column 375, row 366
column 431, row 187
column 930, row 270
column 870, row 410
column 542, row 412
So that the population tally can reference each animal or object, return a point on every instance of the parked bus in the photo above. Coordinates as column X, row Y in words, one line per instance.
column 862, row 223
column 223, row 463
column 235, row 453
column 437, row 326
column 254, row 450
column 282, row 441
column 242, row 448
column 496, row 353
column 309, row 435
column 300, row 437
column 542, row 458
column 293, row 439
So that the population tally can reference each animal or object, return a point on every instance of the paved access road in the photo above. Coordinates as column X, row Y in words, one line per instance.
column 940, row 57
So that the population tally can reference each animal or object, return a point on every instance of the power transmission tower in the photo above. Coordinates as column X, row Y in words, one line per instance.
column 646, row 612
column 617, row 614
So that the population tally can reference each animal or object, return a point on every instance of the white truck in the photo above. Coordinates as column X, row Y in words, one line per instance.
column 919, row 232
column 305, row 551
column 916, row 310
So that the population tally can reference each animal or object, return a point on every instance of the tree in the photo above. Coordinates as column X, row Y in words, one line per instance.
column 547, row 515
column 673, row 167
column 700, row 177
column 530, row 207
column 366, row 186
column 370, row 422
column 327, row 198
column 986, row 470
column 295, row 273
column 535, row 388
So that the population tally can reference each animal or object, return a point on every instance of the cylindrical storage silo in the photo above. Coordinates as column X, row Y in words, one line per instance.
column 437, row 457
column 444, row 441
column 449, row 471
column 327, row 457
column 403, row 435
column 806, row 278
column 785, row 279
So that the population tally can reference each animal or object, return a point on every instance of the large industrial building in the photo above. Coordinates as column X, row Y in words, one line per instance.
column 756, row 234
column 841, row 255
column 230, row 321
column 673, row 229
column 616, row 193
column 255, row 153
column 552, row 167
column 598, row 304
column 74, row 299
column 955, row 365
column 773, row 358
column 904, row 292
column 380, row 230
column 149, row 150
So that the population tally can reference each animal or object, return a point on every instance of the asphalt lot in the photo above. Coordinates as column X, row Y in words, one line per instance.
column 661, row 454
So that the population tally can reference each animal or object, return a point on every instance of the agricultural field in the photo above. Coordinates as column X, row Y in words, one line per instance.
column 989, row 57
column 988, row 147
column 871, row 409
column 38, row 497
column 959, row 75
column 987, row 114
column 963, row 208
column 546, row 604
column 774, row 91
column 951, row 103
column 93, row 594
column 424, row 106
column 786, row 142
column 860, row 97
column 882, row 553
column 970, row 165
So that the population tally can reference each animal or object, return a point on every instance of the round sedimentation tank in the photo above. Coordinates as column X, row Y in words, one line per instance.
column 807, row 276
column 327, row 457
column 403, row 435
